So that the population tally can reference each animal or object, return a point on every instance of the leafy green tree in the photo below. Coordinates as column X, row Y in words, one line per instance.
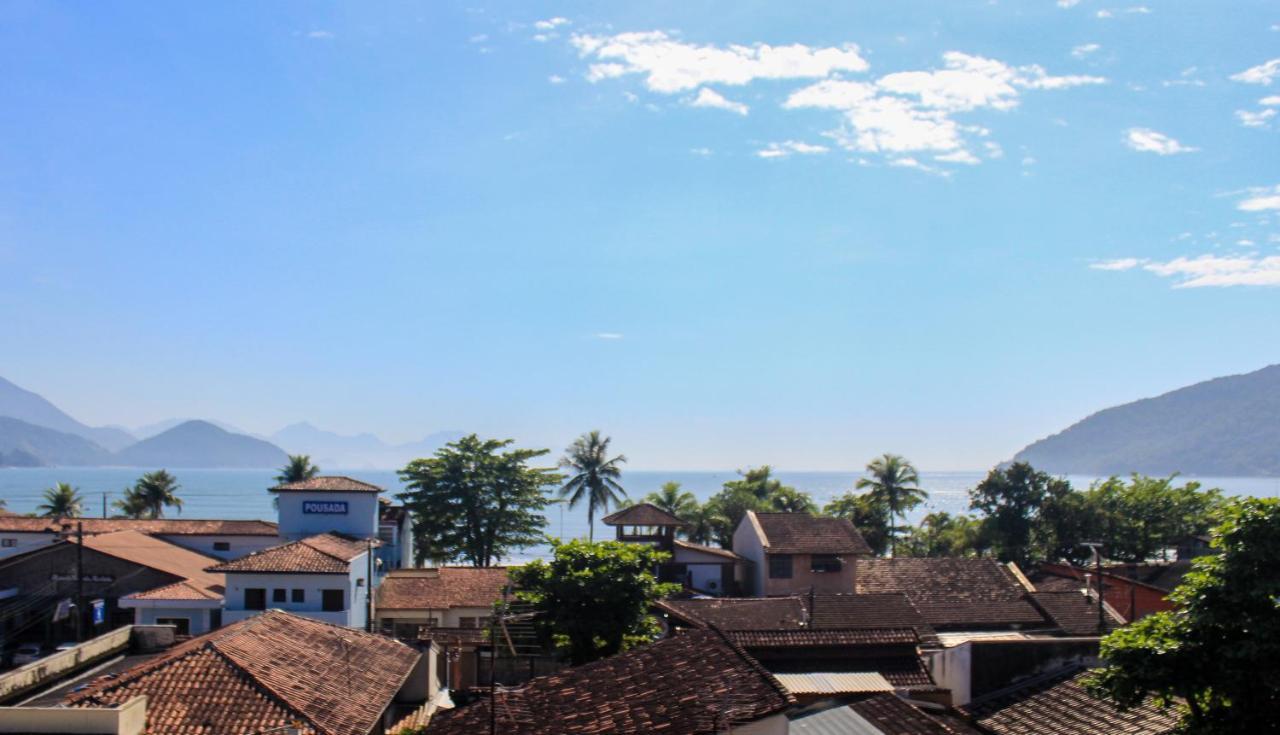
column 595, row 476
column 61, row 501
column 476, row 503
column 869, row 514
column 790, row 500
column 593, row 598
column 1218, row 654
column 1012, row 498
column 702, row 529
column 752, row 491
column 150, row 495
column 298, row 469
column 941, row 534
column 895, row 485
column 679, row 503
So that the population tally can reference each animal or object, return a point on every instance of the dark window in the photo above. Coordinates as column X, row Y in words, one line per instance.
column 215, row 619
column 780, row 566
column 279, row 595
column 222, row 546
column 9, row 543
column 822, row 563
column 331, row 601
column 255, row 598
column 467, row 622
column 299, row 595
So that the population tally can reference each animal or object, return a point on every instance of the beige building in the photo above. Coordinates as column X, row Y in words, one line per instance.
column 790, row 553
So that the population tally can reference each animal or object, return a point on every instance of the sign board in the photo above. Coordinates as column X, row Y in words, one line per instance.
column 99, row 612
column 86, row 578
column 327, row 507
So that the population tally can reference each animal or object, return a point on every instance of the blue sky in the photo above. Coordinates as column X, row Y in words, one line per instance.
column 726, row 234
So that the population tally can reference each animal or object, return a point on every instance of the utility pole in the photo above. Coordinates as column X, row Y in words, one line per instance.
column 1097, row 555
column 79, row 581
column 104, row 504
column 368, row 589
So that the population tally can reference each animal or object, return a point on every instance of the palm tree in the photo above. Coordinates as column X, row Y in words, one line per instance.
column 61, row 501
column 679, row 503
column 791, row 500
column 595, row 478
column 132, row 505
column 298, row 469
column 154, row 492
column 895, row 483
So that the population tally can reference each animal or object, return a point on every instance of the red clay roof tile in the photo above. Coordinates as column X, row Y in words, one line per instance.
column 328, row 484
column 801, row 533
column 325, row 553
column 441, row 588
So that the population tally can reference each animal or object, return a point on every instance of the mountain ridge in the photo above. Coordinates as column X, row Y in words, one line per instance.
column 32, row 408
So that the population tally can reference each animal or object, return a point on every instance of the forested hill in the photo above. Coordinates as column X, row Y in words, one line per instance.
column 1226, row 426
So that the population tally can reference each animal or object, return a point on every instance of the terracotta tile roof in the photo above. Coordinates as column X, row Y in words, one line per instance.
column 149, row 551
column 688, row 685
column 642, row 514
column 815, row 638
column 801, row 533
column 715, row 550
column 739, row 613
column 1057, row 704
column 454, row 636
column 954, row 593
column 178, row 591
column 892, row 716
column 328, row 484
column 441, row 588
column 1073, row 612
column 262, row 673
column 325, row 553
column 867, row 610
column 160, row 526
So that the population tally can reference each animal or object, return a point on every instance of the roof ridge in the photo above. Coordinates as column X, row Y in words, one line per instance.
column 326, row 553
column 754, row 664
column 270, row 692
column 1056, row 676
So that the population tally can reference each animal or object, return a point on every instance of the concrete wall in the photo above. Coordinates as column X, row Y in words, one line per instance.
column 360, row 520
column 354, row 585
column 128, row 719
column 802, row 578
column 748, row 545
column 58, row 664
column 975, row 668
column 240, row 545
column 198, row 619
column 450, row 618
column 24, row 541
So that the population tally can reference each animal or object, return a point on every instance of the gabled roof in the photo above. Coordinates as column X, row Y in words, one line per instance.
column 327, row 484
column 441, row 588
column 265, row 672
column 692, row 684
column 738, row 613
column 953, row 593
column 1057, row 704
column 713, row 550
column 159, row 526
column 801, row 533
column 149, row 551
column 823, row 638
column 843, row 611
column 325, row 553
column 642, row 514
column 1074, row 612
column 867, row 610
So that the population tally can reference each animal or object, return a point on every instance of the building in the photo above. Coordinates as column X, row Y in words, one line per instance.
column 957, row 595
column 702, row 569
column 789, row 553
column 693, row 684
column 880, row 714
column 221, row 539
column 328, row 576
column 1133, row 590
column 268, row 673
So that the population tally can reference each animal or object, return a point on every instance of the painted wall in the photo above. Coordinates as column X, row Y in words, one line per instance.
column 450, row 618
column 352, row 585
column 198, row 619
column 240, row 545
column 359, row 520
column 24, row 541
column 748, row 545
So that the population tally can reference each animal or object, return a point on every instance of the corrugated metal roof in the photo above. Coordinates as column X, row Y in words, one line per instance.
column 837, row 682
column 837, row 721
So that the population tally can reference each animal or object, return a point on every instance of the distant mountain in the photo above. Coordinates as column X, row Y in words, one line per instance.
column 200, row 444
column 22, row 404
column 331, row 450
column 1226, row 427
column 149, row 430
column 26, row 445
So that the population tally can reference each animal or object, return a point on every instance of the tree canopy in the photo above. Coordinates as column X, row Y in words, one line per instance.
column 595, row 476
column 150, row 495
column 298, row 469
column 476, row 503
column 893, row 485
column 1011, row 497
column 1218, row 653
column 756, row 489
column 593, row 598
column 869, row 514
column 61, row 501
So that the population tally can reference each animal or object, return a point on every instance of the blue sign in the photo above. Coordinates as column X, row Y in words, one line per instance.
column 99, row 612
column 328, row 507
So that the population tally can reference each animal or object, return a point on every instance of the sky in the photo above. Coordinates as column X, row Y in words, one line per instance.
column 725, row 234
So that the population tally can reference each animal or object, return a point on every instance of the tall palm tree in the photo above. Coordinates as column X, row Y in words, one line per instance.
column 595, row 477
column 132, row 505
column 895, row 483
column 61, row 501
column 679, row 503
column 156, row 491
column 298, row 469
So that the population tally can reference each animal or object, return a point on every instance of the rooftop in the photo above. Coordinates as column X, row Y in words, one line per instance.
column 327, row 484
column 1074, row 612
column 738, row 613
column 818, row 638
column 642, row 514
column 441, row 588
column 325, row 553
column 844, row 611
column 1057, row 704
column 953, row 593
column 262, row 673
column 195, row 582
column 801, row 533
column 713, row 550
column 868, row 610
column 161, row 526
column 691, row 684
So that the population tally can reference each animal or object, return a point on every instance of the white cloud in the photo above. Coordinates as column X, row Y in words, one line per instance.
column 1147, row 140
column 708, row 97
column 608, row 335
column 550, row 24
column 1260, row 74
column 1085, row 49
column 478, row 38
column 556, row 79
column 787, row 147
column 320, row 35
column 1271, row 101
column 1220, row 270
column 1028, row 161
column 1261, row 199
column 960, row 156
column 1119, row 264
column 1246, row 243
column 704, row 152
column 1068, row 3
column 1103, row 14
column 671, row 66
column 1251, row 119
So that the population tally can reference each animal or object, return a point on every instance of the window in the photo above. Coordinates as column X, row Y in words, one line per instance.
column 222, row 546
column 279, row 595
column 780, row 566
column 255, row 598
column 467, row 622
column 8, row 543
column 332, row 601
column 823, row 563
column 299, row 595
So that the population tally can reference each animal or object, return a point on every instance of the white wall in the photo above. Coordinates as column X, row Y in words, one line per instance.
column 360, row 520
column 240, row 545
column 748, row 545
column 26, row 541
column 198, row 618
column 951, row 669
column 771, row 725
column 450, row 618
column 354, row 598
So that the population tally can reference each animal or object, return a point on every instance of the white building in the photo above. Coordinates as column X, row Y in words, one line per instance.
column 223, row 539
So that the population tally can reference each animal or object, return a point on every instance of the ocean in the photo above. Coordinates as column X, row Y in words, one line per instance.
column 242, row 494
